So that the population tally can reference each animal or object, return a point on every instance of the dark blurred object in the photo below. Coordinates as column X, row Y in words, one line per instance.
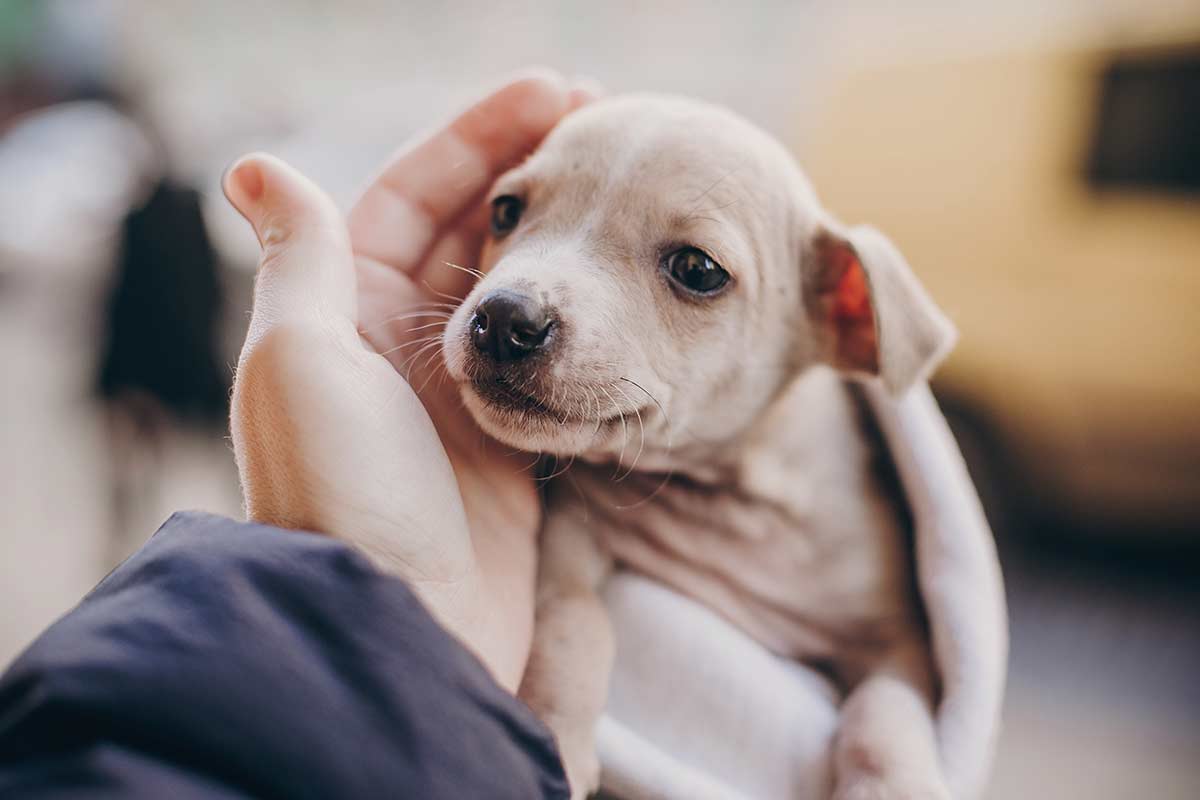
column 159, row 366
column 161, row 324
column 1148, row 127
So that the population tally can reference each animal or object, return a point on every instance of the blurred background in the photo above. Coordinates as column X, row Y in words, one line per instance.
column 1038, row 161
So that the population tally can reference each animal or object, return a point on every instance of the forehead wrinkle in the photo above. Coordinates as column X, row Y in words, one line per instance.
column 632, row 188
column 597, row 169
column 723, row 240
column 732, row 229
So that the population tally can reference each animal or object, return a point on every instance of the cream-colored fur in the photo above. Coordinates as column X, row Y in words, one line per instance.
column 714, row 443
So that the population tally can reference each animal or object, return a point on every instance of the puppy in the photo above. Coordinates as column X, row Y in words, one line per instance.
column 668, row 309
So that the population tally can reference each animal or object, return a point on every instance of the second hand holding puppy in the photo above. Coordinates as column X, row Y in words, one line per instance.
column 327, row 435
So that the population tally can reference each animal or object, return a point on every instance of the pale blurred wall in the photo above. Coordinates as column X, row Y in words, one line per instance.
column 220, row 74
column 214, row 71
column 335, row 85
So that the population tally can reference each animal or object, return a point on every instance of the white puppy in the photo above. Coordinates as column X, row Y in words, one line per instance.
column 668, row 309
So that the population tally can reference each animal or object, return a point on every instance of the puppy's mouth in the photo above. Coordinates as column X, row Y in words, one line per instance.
column 500, row 393
column 514, row 404
column 532, row 410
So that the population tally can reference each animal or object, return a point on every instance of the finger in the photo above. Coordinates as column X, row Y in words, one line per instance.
column 306, row 271
column 583, row 91
column 455, row 255
column 425, row 187
column 461, row 245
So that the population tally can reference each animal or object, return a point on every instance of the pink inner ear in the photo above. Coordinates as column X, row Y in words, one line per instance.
column 852, row 300
column 848, row 307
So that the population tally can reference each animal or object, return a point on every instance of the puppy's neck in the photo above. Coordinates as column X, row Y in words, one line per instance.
column 814, row 428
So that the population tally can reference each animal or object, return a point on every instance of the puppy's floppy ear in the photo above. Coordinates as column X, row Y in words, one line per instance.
column 872, row 314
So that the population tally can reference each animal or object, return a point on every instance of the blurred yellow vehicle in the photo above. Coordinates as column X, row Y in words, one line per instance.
column 1035, row 196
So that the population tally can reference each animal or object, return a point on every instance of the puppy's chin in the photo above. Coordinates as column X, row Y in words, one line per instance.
column 535, row 430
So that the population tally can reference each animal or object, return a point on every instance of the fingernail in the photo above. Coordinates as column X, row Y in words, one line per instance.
column 584, row 90
column 243, row 185
column 248, row 180
column 588, row 85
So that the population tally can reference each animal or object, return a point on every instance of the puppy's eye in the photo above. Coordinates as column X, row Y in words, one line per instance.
column 695, row 271
column 506, row 213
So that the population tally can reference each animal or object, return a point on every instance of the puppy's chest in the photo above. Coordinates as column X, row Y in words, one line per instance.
column 808, row 561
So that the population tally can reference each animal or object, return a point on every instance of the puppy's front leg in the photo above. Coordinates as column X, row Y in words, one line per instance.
column 886, row 746
column 566, row 681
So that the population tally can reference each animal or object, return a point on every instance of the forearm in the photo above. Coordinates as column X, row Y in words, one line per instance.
column 229, row 658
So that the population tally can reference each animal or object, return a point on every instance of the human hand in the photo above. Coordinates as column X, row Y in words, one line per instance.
column 328, row 435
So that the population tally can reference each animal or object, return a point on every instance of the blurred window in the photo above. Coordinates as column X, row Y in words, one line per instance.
column 1148, row 127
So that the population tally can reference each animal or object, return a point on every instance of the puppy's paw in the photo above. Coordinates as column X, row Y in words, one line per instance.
column 864, row 786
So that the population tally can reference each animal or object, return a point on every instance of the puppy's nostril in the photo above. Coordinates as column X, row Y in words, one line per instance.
column 528, row 334
column 508, row 326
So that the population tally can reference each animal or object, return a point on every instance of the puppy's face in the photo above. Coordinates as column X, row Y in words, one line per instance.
column 656, row 272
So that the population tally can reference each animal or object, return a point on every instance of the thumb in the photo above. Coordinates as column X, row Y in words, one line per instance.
column 306, row 271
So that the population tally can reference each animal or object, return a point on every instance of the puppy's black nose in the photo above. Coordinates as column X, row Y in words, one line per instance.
column 508, row 326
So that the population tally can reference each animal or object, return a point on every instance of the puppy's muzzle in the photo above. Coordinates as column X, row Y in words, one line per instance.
column 508, row 326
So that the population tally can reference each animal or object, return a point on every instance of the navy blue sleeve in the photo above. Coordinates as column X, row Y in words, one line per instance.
column 228, row 659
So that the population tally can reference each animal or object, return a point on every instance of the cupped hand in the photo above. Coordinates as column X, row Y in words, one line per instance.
column 342, row 420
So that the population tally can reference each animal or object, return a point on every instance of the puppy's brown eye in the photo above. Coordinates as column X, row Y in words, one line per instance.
column 506, row 213
column 695, row 271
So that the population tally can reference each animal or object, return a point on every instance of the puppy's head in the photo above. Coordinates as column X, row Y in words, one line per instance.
column 656, row 273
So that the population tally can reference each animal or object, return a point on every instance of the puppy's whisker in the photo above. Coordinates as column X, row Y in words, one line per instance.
column 456, row 300
column 467, row 270
column 442, row 305
column 641, row 436
column 408, row 369
column 559, row 471
column 653, row 399
column 414, row 314
column 595, row 399
column 670, row 436
column 662, row 485
column 422, row 340
column 641, row 441
column 552, row 406
column 714, row 185
column 400, row 317
column 692, row 217
column 583, row 498
column 441, row 380
column 441, row 323
column 430, row 374
column 624, row 431
column 429, row 362
column 526, row 387
column 431, row 345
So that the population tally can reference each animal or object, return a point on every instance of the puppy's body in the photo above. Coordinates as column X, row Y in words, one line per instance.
column 806, row 553
column 713, row 445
